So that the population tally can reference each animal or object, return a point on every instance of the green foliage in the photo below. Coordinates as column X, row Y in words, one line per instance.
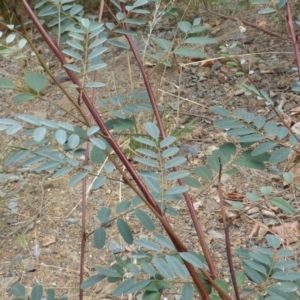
column 270, row 270
column 58, row 146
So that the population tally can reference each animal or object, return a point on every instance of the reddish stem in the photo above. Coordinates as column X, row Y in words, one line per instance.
column 187, row 197
column 289, row 21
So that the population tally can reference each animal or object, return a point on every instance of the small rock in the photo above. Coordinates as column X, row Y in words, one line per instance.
column 274, row 170
column 18, row 257
column 5, row 178
column 36, row 251
column 192, row 149
column 48, row 240
column 71, row 221
column 12, row 205
column 29, row 265
column 62, row 78
column 288, row 197
column 114, row 247
column 216, row 66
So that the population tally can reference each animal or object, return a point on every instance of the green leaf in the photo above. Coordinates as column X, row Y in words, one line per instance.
column 91, row 281
column 94, row 84
column 270, row 127
column 214, row 163
column 118, row 44
column 220, row 111
column 165, row 44
column 148, row 268
column 200, row 40
column 36, row 81
column 286, row 275
column 164, row 241
column 177, row 175
column 249, row 163
column 95, row 55
column 251, row 138
column 37, row 292
column 285, row 253
column 288, row 177
column 193, row 182
column 266, row 11
column 167, row 141
column 147, row 152
column 175, row 162
column 256, row 266
column 259, row 122
column 104, row 214
column 163, row 268
column 61, row 136
column 279, row 155
column 72, row 68
column 134, row 21
column 222, row 284
column 62, row 172
column 184, row 26
column 99, row 238
column 85, row 22
column 282, row 132
column 197, row 29
column 122, row 206
column 97, row 42
column 123, row 287
column 264, row 259
column 30, row 119
column 18, row 290
column 73, row 141
column 138, row 286
column 145, row 219
column 125, row 231
column 73, row 54
column 10, row 38
column 189, row 53
column 21, row 98
column 98, row 143
column 187, row 292
column 146, row 141
column 39, row 134
column 240, row 131
column 15, row 157
column 266, row 190
column 174, row 190
column 253, row 275
column 66, row 126
column 248, row 117
column 96, row 67
column 203, row 172
column 252, row 197
column 107, row 272
column 98, row 182
column 146, row 161
column 47, row 166
column 228, row 123
column 178, row 267
column 240, row 278
column 76, row 178
column 147, row 244
column 6, row 84
column 192, row 259
column 265, row 147
column 286, row 264
column 50, row 294
column 284, row 205
column 92, row 130
column 152, row 130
